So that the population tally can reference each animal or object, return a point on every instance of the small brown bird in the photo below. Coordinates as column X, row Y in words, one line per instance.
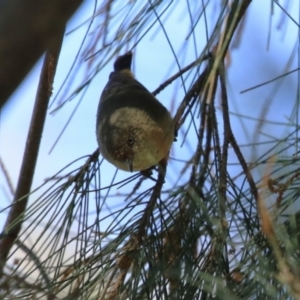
column 134, row 130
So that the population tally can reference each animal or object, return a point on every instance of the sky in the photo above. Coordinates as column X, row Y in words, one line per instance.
column 250, row 64
column 152, row 65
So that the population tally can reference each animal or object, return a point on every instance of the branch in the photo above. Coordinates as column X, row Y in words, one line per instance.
column 14, row 221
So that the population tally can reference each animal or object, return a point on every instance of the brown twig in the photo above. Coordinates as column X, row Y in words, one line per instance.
column 192, row 94
column 232, row 140
column 14, row 220
column 223, row 164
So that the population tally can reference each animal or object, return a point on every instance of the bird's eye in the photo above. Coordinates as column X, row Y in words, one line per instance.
column 130, row 141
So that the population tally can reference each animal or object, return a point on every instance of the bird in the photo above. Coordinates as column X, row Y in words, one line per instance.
column 134, row 130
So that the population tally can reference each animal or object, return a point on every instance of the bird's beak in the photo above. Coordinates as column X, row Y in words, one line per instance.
column 129, row 162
